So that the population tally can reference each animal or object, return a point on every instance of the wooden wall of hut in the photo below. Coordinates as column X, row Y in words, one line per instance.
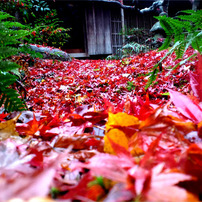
column 98, row 29
column 116, row 29
column 136, row 20
column 132, row 20
column 97, row 26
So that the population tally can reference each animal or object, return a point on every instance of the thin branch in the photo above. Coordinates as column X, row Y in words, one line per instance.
column 101, row 128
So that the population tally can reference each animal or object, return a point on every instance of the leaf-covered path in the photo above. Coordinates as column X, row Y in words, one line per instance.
column 97, row 135
column 62, row 86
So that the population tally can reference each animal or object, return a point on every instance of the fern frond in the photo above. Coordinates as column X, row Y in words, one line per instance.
column 18, row 34
column 183, row 62
column 6, row 79
column 180, row 50
column 186, row 30
column 166, row 43
column 9, row 39
column 183, row 29
column 4, row 16
column 188, row 11
column 6, row 66
column 165, row 25
column 197, row 42
column 9, row 24
column 152, row 78
column 195, row 17
column 10, row 100
column 6, row 52
column 176, row 45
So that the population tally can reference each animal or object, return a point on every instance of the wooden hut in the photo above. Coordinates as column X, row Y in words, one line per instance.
column 96, row 25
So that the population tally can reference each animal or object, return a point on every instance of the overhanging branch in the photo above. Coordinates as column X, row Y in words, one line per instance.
column 120, row 4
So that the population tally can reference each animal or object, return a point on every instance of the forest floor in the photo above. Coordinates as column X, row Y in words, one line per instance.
column 97, row 134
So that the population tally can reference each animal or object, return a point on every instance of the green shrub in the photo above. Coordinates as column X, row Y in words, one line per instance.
column 137, row 35
column 48, row 32
column 41, row 19
column 25, row 11
column 133, row 48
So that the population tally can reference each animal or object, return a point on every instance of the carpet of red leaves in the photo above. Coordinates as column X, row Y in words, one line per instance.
column 63, row 86
column 96, row 134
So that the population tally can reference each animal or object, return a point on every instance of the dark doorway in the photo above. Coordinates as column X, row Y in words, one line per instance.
column 73, row 16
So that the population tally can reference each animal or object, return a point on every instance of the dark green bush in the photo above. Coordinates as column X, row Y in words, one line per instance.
column 41, row 19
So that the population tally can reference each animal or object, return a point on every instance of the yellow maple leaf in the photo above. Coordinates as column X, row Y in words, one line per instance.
column 121, row 119
column 7, row 128
column 116, row 134
column 118, row 137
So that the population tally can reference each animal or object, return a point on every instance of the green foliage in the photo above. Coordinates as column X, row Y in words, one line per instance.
column 24, row 10
column 99, row 180
column 153, row 76
column 128, row 50
column 136, row 40
column 50, row 35
column 113, row 57
column 38, row 5
column 136, row 35
column 48, row 31
column 184, row 31
column 10, row 35
column 41, row 19
column 130, row 86
column 133, row 48
column 54, row 192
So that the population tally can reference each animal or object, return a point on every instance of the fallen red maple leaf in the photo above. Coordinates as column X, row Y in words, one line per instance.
column 109, row 166
column 186, row 106
column 79, row 191
column 2, row 116
column 22, row 188
column 199, row 75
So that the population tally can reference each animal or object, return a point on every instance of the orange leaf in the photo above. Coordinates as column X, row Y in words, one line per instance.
column 118, row 149
column 200, row 129
column 28, row 129
column 136, row 151
column 95, row 192
column 191, row 162
column 118, row 129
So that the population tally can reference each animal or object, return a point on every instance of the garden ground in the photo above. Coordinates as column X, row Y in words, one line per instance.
column 98, row 134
